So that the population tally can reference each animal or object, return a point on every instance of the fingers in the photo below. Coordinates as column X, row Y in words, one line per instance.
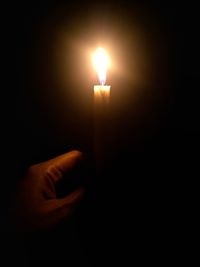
column 60, row 165
column 40, row 208
column 67, row 161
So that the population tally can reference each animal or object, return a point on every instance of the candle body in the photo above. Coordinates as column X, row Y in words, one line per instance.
column 102, row 93
column 101, row 126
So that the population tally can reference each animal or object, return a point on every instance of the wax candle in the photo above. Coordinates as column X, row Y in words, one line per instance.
column 101, row 63
column 102, row 93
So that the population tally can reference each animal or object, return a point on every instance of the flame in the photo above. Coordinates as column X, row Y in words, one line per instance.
column 101, row 62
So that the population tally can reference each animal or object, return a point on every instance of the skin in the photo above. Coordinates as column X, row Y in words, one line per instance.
column 36, row 204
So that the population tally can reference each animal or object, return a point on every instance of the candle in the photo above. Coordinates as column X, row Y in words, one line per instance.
column 101, row 63
column 102, row 93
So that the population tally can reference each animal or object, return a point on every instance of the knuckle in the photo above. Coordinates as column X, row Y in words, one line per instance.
column 52, row 171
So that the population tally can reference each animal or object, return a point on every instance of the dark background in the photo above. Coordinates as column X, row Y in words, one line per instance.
column 144, row 204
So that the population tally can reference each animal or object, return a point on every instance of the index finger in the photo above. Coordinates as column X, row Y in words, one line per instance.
column 64, row 163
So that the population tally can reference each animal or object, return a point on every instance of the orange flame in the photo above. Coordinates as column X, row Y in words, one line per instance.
column 101, row 62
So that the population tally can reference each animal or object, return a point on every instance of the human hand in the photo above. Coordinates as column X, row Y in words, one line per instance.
column 37, row 206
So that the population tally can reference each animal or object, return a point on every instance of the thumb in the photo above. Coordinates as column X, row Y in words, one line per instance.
column 58, row 209
column 51, row 212
column 71, row 199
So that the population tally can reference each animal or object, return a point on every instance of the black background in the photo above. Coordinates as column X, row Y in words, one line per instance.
column 147, row 194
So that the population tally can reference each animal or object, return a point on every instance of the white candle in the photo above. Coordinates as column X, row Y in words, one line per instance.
column 101, row 110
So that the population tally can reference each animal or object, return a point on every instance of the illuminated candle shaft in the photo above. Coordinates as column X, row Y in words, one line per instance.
column 101, row 114
column 101, row 126
column 102, row 93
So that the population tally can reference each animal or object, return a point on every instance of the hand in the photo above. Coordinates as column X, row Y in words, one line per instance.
column 37, row 206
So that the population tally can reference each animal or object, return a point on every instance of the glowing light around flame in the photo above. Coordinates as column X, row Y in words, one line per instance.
column 101, row 62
